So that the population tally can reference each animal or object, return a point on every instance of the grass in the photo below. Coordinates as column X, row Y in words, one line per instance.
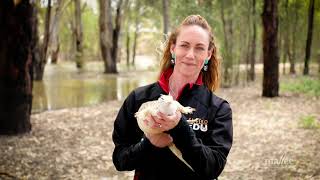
column 309, row 122
column 303, row 84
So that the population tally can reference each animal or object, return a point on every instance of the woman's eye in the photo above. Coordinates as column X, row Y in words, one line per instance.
column 183, row 45
column 200, row 48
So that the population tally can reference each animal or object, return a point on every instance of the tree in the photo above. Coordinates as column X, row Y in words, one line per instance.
column 309, row 38
column 166, row 23
column 292, row 59
column 253, row 43
column 78, row 34
column 109, row 34
column 270, row 49
column 106, row 29
column 286, row 44
column 39, row 63
column 227, row 22
column 136, row 32
column 55, row 26
column 117, row 29
column 16, row 22
column 128, row 14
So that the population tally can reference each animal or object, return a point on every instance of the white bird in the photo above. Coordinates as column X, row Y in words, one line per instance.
column 166, row 105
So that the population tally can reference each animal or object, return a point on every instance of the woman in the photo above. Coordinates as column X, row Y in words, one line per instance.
column 189, row 72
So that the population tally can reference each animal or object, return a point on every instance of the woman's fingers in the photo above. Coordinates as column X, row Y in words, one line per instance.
column 174, row 117
column 153, row 122
column 166, row 122
column 158, row 119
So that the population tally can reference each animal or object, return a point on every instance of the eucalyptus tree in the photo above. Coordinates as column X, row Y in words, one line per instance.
column 78, row 33
column 166, row 22
column 227, row 19
column 270, row 49
column 293, row 35
column 137, row 10
column 17, row 20
column 309, row 38
column 110, row 32
column 55, row 27
column 39, row 63
column 253, row 42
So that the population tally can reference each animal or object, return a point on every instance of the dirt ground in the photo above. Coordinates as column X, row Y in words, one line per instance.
column 76, row 143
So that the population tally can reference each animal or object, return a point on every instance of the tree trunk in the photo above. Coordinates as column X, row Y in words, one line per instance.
column 39, row 66
column 253, row 43
column 55, row 51
column 15, row 66
column 286, row 37
column 37, row 70
column 106, row 35
column 127, row 14
column 136, row 33
column 135, row 44
column 294, row 37
column 128, row 46
column 319, row 64
column 73, row 49
column 270, row 49
column 250, row 21
column 284, row 57
column 227, row 31
column 116, row 34
column 165, row 5
column 79, row 34
column 55, row 43
column 309, row 38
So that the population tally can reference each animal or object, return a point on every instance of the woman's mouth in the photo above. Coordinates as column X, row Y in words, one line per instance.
column 189, row 63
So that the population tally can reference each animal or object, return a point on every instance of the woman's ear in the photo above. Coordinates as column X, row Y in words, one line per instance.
column 172, row 47
column 209, row 54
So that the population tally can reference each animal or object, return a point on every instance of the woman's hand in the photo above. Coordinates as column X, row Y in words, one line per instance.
column 160, row 140
column 167, row 122
column 163, row 123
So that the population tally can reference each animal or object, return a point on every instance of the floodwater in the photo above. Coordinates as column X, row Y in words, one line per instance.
column 64, row 86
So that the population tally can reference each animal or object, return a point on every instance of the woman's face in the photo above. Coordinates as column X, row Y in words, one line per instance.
column 191, row 49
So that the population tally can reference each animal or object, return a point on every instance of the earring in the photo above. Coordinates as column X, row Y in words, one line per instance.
column 205, row 66
column 173, row 59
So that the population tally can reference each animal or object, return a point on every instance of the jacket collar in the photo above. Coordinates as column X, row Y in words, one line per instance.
column 164, row 81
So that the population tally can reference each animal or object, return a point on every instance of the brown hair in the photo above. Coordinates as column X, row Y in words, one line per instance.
column 211, row 78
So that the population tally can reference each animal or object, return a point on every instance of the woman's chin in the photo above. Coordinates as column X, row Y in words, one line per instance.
column 188, row 71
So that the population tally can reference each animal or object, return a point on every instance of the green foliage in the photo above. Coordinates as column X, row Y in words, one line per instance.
column 309, row 122
column 66, row 34
column 305, row 85
column 180, row 9
column 90, row 26
column 239, row 27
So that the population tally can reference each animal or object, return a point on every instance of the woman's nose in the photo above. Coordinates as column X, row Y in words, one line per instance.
column 190, row 53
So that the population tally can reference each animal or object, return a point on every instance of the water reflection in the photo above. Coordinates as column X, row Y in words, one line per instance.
column 65, row 87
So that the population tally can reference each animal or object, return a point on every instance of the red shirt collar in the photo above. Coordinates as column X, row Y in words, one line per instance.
column 164, row 80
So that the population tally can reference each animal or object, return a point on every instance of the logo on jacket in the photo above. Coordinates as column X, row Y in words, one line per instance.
column 198, row 124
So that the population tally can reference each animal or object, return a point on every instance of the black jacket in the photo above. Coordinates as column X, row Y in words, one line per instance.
column 204, row 145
